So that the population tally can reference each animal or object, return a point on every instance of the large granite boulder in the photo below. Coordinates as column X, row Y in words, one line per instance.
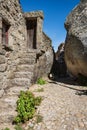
column 76, row 40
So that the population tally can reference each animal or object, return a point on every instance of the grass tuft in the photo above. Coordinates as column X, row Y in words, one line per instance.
column 41, row 81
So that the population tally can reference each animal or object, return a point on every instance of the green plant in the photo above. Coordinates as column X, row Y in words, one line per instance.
column 18, row 127
column 40, row 90
column 41, row 81
column 26, row 105
column 39, row 119
column 6, row 129
column 38, row 101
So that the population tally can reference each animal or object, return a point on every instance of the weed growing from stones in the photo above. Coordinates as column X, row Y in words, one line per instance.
column 18, row 127
column 40, row 90
column 40, row 81
column 39, row 119
column 26, row 106
column 6, row 129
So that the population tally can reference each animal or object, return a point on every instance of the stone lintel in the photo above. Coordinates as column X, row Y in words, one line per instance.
column 34, row 14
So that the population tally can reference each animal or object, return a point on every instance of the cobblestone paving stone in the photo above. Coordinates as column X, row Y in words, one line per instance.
column 64, row 107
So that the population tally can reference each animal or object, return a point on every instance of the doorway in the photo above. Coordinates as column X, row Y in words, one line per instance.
column 31, row 33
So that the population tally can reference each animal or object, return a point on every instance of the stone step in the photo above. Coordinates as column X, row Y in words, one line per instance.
column 22, row 82
column 30, row 51
column 8, row 108
column 29, row 55
column 25, row 68
column 7, row 115
column 8, row 101
column 15, row 90
column 26, row 74
column 29, row 61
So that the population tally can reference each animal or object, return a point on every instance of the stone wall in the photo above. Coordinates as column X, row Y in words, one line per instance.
column 20, row 66
column 44, row 57
column 11, row 13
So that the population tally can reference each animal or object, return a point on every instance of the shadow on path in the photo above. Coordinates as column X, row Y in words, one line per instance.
column 65, row 82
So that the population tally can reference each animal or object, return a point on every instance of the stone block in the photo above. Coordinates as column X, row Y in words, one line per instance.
column 24, row 68
column 22, row 82
column 1, row 76
column 2, row 59
column 23, row 74
column 15, row 90
column 27, row 61
column 1, row 93
column 3, row 67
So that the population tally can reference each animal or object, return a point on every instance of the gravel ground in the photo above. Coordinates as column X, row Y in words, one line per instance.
column 64, row 107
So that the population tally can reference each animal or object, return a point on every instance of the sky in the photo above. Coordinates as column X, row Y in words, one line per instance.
column 55, row 13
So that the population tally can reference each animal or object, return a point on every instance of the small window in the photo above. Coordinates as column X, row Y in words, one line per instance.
column 5, row 28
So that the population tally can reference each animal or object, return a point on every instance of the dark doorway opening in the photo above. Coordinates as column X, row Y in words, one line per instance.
column 31, row 33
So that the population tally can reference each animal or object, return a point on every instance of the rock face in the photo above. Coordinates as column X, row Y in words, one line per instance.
column 60, row 61
column 76, row 40
column 44, row 57
column 25, row 53
column 59, row 67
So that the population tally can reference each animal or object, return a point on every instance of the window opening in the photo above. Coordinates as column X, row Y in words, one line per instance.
column 5, row 28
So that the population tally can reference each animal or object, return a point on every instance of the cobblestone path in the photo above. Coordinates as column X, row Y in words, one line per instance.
column 64, row 107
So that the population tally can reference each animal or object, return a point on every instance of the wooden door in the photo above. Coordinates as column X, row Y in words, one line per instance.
column 31, row 34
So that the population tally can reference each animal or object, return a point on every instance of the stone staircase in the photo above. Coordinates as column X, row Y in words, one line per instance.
column 23, row 75
column 21, row 80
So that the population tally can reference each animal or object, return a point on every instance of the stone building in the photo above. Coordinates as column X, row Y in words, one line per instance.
column 25, row 51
